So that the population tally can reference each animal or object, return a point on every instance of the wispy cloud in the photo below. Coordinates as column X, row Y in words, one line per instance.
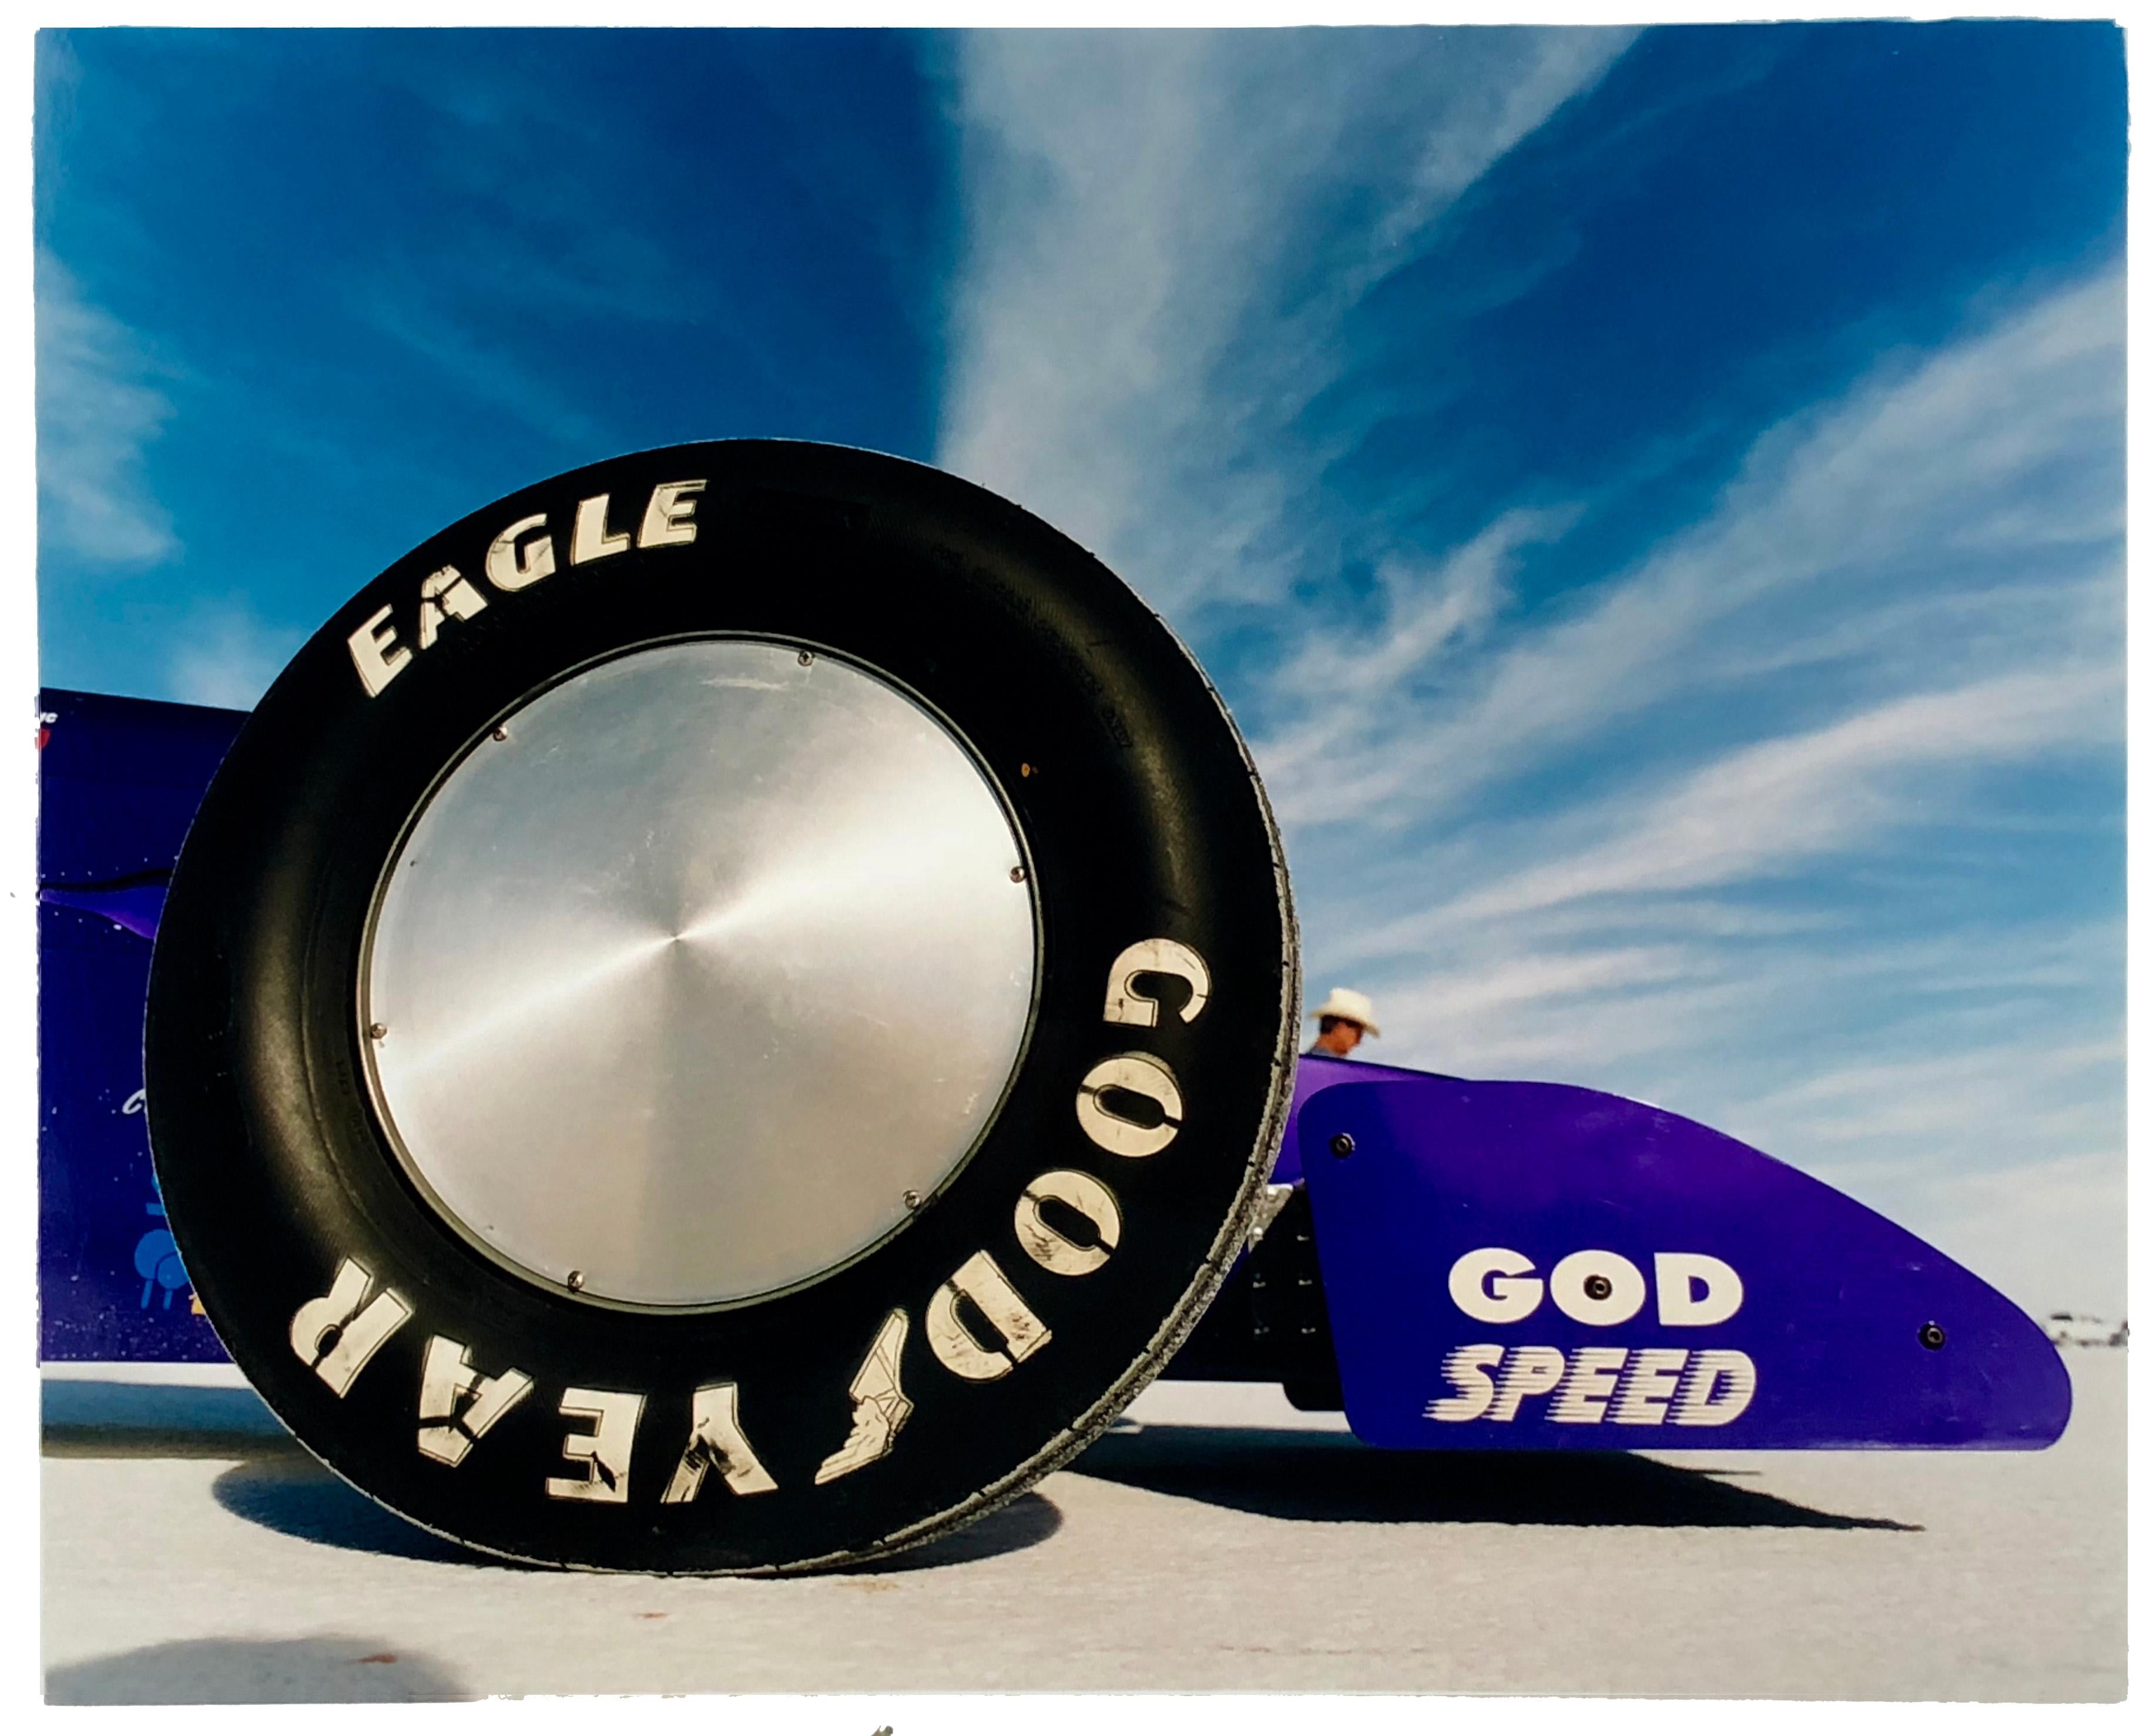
column 399, row 307
column 1766, row 810
column 227, row 657
column 98, row 410
column 1166, row 229
column 2049, row 1233
column 1924, row 494
column 1860, row 681
column 1942, row 1094
column 2007, row 1154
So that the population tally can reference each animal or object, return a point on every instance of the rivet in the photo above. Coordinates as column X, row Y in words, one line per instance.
column 377, row 1032
column 911, row 1200
column 1598, row 1288
column 1016, row 874
column 500, row 735
column 1931, row 1336
column 1341, row 1145
column 575, row 1280
column 806, row 658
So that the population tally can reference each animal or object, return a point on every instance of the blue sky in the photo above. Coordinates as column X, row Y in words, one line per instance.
column 1654, row 502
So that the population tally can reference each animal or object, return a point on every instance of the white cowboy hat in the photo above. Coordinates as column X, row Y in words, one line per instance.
column 1350, row 1004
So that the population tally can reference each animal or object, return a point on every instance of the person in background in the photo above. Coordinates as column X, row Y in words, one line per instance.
column 1341, row 1021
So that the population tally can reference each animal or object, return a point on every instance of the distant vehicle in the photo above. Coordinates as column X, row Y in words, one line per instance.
column 2087, row 1329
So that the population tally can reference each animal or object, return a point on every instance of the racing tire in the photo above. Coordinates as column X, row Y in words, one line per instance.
column 808, row 1376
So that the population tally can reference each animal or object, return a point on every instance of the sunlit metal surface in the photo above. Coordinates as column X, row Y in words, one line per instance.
column 675, row 995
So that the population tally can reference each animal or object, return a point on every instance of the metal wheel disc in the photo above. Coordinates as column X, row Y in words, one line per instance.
column 695, row 978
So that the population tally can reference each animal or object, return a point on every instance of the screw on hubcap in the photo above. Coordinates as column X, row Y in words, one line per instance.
column 690, row 902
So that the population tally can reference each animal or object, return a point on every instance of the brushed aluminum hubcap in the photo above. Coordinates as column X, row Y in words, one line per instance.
column 694, row 980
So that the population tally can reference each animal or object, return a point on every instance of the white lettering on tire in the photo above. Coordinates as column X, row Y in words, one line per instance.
column 980, row 1281
column 715, row 1440
column 520, row 556
column 375, row 652
column 1140, row 1076
column 879, row 1406
column 1048, row 1245
column 440, row 595
column 447, row 1379
column 1160, row 957
column 359, row 1331
column 592, row 541
column 669, row 519
column 604, row 1452
column 511, row 563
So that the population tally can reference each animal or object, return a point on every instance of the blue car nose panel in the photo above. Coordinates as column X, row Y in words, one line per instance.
column 1535, row 1266
column 1318, row 1072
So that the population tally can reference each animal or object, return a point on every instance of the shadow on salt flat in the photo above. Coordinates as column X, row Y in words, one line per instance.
column 289, row 1493
column 332, row 1667
column 1296, row 1475
column 1029, row 1520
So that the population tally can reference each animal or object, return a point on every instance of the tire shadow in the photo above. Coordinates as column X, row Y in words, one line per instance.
column 253, row 1672
column 1300, row 1475
column 1029, row 1520
column 291, row 1494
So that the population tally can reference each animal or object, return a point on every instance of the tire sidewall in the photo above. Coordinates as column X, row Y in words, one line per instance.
column 1140, row 814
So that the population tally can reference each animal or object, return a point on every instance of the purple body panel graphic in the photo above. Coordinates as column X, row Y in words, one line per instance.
column 120, row 781
column 1738, row 1302
column 1319, row 1073
column 133, row 904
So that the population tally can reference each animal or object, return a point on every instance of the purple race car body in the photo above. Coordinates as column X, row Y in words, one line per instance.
column 1455, row 1263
